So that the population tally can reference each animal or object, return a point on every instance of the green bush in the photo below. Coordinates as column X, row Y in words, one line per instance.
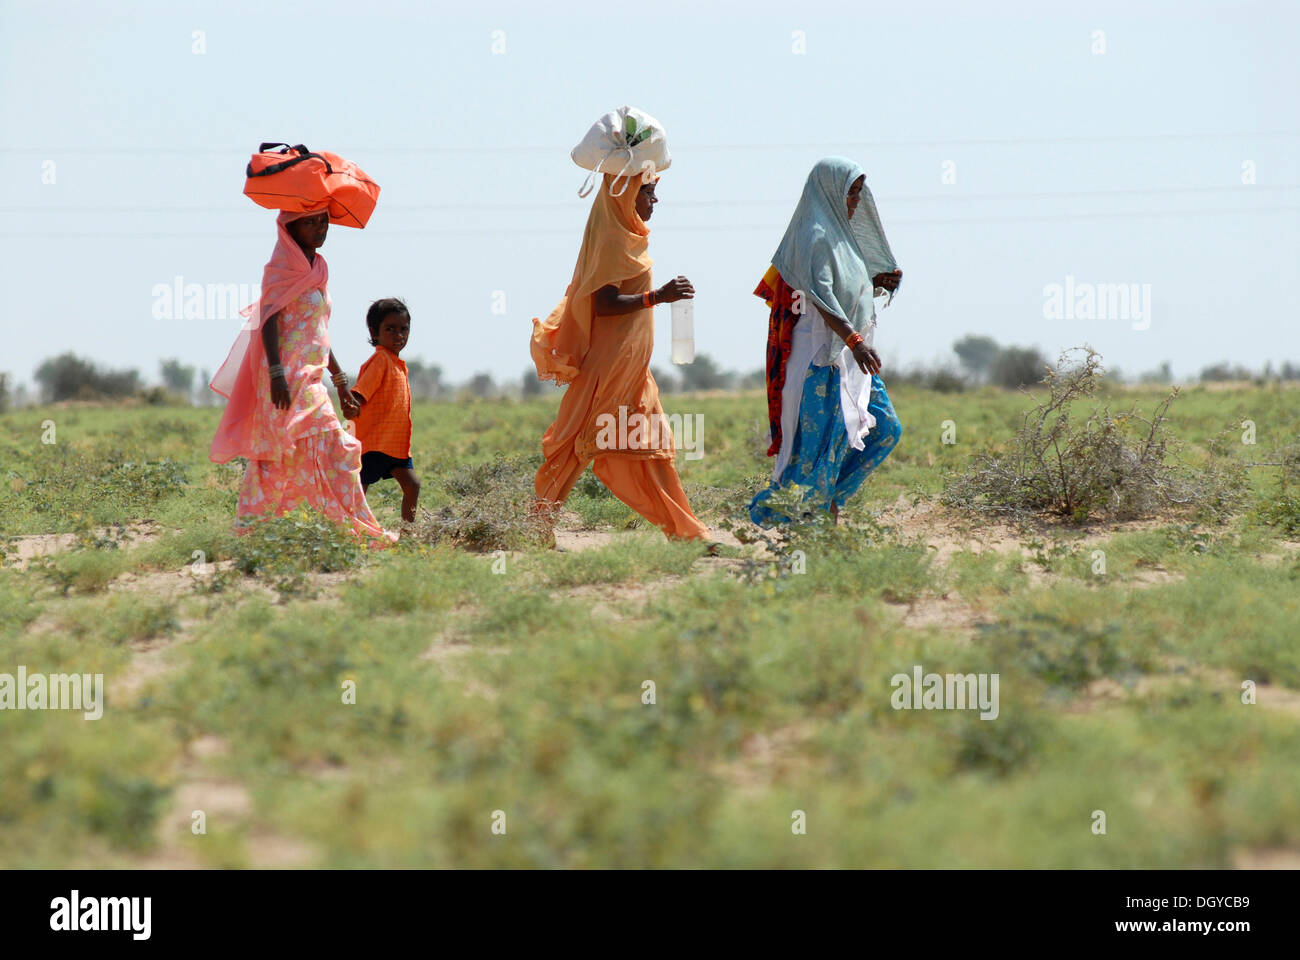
column 1062, row 652
column 999, row 746
column 808, row 529
column 83, row 571
column 73, row 484
column 286, row 548
column 1283, row 510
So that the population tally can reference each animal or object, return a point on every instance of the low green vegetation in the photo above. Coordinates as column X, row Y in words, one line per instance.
column 635, row 702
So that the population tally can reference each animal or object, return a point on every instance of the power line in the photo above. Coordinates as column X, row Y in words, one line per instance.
column 1140, row 214
column 553, row 149
column 680, row 204
column 688, row 228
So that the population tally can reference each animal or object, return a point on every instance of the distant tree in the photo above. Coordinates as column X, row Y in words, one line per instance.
column 704, row 374
column 754, row 380
column 665, row 379
column 481, row 385
column 1017, row 367
column 4, row 392
column 63, row 376
column 68, row 376
column 529, row 385
column 942, row 378
column 204, row 395
column 1289, row 371
column 425, row 379
column 1162, row 374
column 1224, row 371
column 945, row 379
column 977, row 355
column 177, row 377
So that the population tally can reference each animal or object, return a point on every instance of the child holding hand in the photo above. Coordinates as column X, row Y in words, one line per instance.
column 380, row 404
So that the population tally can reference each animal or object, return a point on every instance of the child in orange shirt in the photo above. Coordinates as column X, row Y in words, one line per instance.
column 381, row 405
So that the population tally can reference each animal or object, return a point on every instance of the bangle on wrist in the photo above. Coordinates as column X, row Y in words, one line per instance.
column 277, row 370
column 854, row 340
column 649, row 298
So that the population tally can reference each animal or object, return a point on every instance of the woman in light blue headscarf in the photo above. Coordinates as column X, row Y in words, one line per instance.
column 831, row 419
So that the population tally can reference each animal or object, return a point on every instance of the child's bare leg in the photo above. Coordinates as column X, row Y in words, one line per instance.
column 410, row 484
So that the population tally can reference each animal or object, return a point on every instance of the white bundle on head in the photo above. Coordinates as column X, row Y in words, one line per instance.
column 625, row 142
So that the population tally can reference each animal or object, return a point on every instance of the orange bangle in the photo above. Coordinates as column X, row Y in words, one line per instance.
column 854, row 340
column 649, row 299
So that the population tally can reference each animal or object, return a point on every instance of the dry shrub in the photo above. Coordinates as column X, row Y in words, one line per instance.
column 491, row 508
column 1120, row 466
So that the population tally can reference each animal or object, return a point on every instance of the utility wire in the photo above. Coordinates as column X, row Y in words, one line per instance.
column 676, row 204
column 552, row 149
column 687, row 228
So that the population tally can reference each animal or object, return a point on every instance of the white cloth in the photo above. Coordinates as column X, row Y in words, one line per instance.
column 625, row 142
column 796, row 370
column 855, row 392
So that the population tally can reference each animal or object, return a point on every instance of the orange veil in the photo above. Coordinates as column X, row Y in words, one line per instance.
column 614, row 249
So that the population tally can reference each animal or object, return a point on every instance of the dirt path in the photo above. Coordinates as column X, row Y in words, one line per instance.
column 578, row 540
column 949, row 532
column 40, row 545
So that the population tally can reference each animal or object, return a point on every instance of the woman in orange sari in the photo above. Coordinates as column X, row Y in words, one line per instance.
column 599, row 341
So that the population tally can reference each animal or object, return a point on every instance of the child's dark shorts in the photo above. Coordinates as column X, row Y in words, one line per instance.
column 377, row 466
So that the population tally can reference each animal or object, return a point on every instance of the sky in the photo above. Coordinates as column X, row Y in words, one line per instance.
column 1010, row 147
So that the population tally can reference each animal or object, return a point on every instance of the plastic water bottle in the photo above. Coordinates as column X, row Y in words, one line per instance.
column 683, row 331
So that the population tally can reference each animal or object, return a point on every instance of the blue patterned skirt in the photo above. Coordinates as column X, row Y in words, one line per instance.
column 822, row 457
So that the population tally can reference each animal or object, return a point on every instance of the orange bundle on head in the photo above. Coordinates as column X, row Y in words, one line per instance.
column 297, row 180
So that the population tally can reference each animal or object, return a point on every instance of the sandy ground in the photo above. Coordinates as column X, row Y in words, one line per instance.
column 948, row 532
column 29, row 548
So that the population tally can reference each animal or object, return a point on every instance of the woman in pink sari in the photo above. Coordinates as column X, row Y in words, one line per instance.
column 279, row 415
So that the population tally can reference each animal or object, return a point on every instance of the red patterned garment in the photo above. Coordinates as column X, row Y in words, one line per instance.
column 780, row 334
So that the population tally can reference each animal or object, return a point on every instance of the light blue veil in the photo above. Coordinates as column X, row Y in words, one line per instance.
column 828, row 256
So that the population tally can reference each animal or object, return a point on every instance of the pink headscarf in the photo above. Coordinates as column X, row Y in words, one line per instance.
column 286, row 276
